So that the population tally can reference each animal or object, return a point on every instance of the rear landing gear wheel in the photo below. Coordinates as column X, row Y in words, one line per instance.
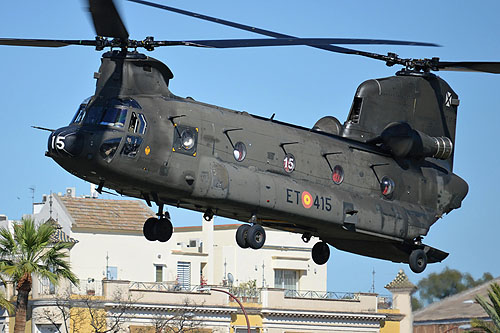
column 149, row 229
column 256, row 237
column 320, row 253
column 418, row 261
column 241, row 236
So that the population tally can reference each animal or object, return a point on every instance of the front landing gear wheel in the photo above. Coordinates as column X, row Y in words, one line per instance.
column 241, row 236
column 418, row 261
column 163, row 230
column 149, row 229
column 256, row 237
column 320, row 253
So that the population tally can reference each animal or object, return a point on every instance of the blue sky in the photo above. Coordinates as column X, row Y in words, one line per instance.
column 44, row 87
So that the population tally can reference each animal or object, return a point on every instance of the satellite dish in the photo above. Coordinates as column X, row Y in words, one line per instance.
column 230, row 279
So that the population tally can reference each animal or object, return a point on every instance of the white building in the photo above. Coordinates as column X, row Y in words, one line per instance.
column 111, row 245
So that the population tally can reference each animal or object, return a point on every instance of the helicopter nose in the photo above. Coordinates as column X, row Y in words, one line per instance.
column 65, row 142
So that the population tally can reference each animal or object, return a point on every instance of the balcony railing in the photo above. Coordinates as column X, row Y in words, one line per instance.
column 89, row 287
column 248, row 295
column 163, row 286
column 311, row 294
column 384, row 302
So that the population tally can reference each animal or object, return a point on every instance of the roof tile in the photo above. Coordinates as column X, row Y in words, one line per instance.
column 101, row 214
column 400, row 282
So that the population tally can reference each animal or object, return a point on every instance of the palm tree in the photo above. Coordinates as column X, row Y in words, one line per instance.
column 27, row 252
column 4, row 302
column 492, row 309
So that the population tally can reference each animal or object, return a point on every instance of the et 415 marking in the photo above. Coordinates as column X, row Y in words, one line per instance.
column 308, row 200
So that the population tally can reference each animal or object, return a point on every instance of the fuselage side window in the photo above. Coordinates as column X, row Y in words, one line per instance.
column 131, row 146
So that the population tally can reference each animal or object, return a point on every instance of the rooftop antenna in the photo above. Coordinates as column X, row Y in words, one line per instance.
column 32, row 189
column 225, row 269
column 50, row 205
column 107, row 266
column 263, row 275
column 373, row 281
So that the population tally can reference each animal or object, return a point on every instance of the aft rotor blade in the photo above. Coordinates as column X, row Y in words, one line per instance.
column 45, row 42
column 233, row 43
column 107, row 20
column 470, row 66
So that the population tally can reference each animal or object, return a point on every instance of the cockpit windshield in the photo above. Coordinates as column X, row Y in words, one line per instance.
column 112, row 113
column 114, row 116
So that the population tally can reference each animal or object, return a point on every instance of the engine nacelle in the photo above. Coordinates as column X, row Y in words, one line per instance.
column 403, row 141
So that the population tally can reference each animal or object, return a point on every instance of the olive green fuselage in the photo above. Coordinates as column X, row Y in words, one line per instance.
column 154, row 163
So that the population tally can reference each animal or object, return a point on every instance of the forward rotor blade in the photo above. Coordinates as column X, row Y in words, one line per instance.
column 107, row 21
column 264, row 32
column 233, row 43
column 470, row 66
column 45, row 42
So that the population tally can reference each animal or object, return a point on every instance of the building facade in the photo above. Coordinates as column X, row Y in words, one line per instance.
column 196, row 278
column 111, row 245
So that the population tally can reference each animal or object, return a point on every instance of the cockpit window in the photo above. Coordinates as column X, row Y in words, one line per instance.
column 113, row 113
column 80, row 113
column 142, row 124
column 93, row 114
column 114, row 116
column 137, row 123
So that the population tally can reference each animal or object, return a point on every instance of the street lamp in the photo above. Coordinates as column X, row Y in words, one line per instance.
column 233, row 297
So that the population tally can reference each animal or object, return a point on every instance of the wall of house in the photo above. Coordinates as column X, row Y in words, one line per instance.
column 214, row 256
column 390, row 326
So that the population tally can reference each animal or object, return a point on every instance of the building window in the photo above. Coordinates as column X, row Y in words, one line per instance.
column 285, row 279
column 245, row 330
column 184, row 274
column 112, row 273
column 158, row 273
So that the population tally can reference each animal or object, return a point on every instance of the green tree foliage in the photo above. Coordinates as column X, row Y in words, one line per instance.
column 415, row 303
column 449, row 282
column 29, row 252
column 492, row 308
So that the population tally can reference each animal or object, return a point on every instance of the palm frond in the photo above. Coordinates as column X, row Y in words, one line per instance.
column 5, row 304
column 28, row 251
column 483, row 325
column 492, row 310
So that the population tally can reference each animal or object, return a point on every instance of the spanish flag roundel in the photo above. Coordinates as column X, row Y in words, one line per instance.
column 307, row 199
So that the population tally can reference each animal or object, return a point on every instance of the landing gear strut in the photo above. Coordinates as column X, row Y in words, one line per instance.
column 306, row 237
column 160, row 228
column 209, row 214
column 320, row 253
column 250, row 236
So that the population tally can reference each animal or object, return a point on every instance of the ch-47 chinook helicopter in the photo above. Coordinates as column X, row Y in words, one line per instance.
column 372, row 186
